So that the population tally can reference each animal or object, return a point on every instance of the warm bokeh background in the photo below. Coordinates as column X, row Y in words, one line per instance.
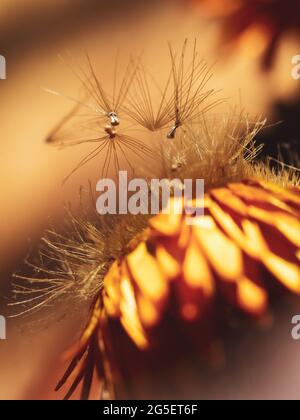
column 32, row 34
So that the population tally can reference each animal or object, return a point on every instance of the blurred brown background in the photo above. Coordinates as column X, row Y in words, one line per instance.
column 32, row 34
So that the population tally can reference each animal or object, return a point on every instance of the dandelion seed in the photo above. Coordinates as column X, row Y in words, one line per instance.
column 97, row 104
column 115, row 145
column 181, row 101
column 109, row 104
column 83, row 124
column 189, row 81
column 139, row 104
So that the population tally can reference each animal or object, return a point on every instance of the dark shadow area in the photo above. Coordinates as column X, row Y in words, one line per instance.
column 282, row 139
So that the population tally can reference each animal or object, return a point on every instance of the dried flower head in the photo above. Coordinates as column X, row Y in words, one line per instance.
column 242, row 253
column 154, row 284
column 182, row 100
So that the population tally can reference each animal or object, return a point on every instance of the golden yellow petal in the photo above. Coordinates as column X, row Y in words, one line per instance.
column 225, row 196
column 290, row 228
column 252, row 298
column 168, row 264
column 135, row 333
column 112, row 286
column 166, row 224
column 286, row 272
column 111, row 309
column 283, row 193
column 223, row 254
column 184, row 236
column 233, row 230
column 149, row 313
column 129, row 315
column 147, row 274
column 257, row 194
column 288, row 225
column 196, row 271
